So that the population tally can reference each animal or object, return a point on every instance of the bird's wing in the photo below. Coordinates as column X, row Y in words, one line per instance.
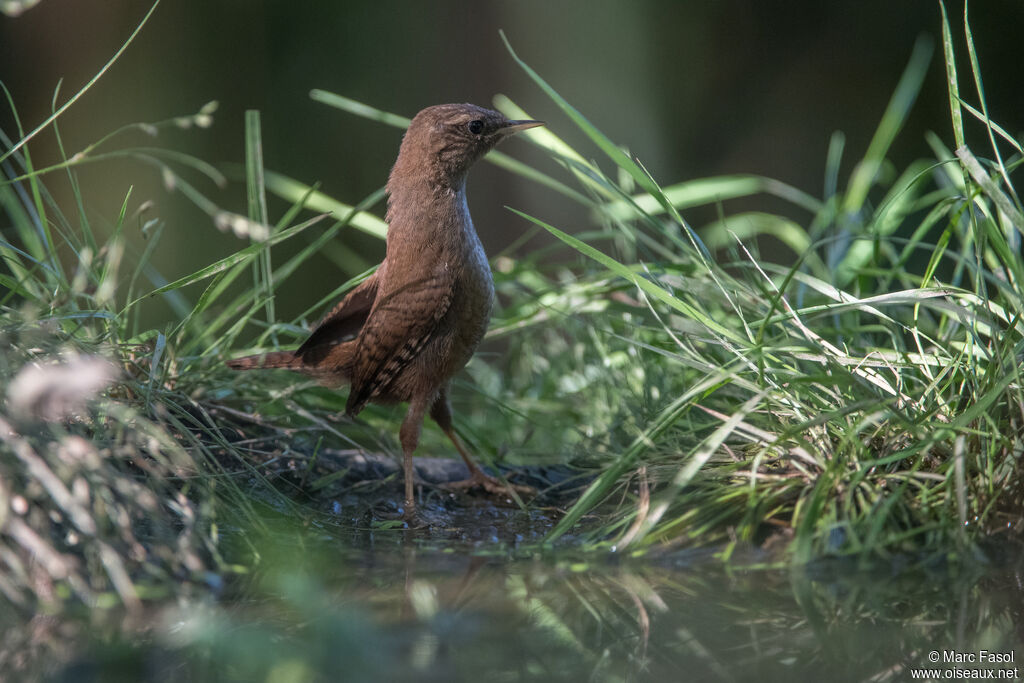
column 345, row 319
column 401, row 324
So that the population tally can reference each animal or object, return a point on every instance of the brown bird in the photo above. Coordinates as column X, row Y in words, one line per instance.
column 404, row 331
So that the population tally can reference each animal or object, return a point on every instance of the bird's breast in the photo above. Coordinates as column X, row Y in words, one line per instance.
column 473, row 296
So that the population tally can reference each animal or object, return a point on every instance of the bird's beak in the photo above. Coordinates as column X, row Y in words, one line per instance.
column 516, row 126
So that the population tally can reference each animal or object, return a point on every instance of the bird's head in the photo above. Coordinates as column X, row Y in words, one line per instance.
column 443, row 141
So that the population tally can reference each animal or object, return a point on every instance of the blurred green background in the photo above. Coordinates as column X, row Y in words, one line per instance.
column 694, row 89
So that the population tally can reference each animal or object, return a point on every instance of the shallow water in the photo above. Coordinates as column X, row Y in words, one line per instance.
column 390, row 605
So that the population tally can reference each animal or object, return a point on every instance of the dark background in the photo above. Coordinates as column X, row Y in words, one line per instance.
column 694, row 89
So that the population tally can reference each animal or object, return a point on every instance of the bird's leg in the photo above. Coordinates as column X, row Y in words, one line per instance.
column 409, row 435
column 441, row 412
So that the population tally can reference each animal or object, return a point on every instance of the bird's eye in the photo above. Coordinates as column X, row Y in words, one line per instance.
column 476, row 126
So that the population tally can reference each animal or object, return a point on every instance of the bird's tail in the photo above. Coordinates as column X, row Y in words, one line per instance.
column 271, row 359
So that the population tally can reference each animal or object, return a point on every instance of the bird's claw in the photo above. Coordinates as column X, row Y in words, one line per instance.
column 490, row 484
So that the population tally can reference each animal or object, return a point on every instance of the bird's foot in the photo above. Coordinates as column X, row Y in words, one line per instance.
column 412, row 517
column 490, row 484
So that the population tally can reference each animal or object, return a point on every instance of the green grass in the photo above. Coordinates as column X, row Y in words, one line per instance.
column 862, row 397
column 866, row 399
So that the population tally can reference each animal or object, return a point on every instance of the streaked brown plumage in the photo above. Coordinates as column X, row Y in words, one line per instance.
column 404, row 331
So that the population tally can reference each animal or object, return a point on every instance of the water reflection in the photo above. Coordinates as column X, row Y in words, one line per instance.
column 406, row 609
